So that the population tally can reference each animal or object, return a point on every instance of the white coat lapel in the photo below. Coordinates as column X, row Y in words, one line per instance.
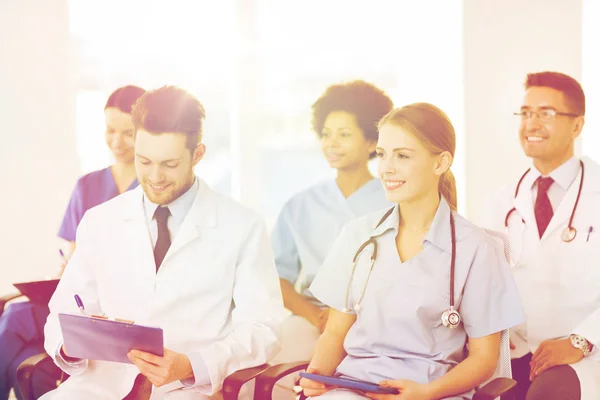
column 135, row 230
column 202, row 214
column 565, row 208
column 523, row 203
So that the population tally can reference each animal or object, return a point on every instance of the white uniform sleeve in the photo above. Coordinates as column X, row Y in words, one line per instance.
column 490, row 301
column 285, row 251
column 78, row 278
column 257, row 316
column 331, row 282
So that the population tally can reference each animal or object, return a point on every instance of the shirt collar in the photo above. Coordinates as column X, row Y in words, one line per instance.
column 564, row 175
column 178, row 207
column 438, row 233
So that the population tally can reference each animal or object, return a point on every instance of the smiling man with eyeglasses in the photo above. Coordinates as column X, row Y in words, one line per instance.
column 552, row 117
column 555, row 353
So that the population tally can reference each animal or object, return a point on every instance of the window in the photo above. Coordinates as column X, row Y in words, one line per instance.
column 151, row 43
column 591, row 79
column 304, row 47
column 257, row 67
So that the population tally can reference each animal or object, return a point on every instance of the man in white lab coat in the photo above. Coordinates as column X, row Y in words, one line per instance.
column 555, row 246
column 176, row 255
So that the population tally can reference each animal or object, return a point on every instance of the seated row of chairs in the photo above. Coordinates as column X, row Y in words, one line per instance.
column 265, row 376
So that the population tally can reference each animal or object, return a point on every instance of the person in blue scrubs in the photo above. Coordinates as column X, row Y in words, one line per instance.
column 21, row 325
column 385, row 319
column 345, row 119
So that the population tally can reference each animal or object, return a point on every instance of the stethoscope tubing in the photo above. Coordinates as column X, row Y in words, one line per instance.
column 570, row 225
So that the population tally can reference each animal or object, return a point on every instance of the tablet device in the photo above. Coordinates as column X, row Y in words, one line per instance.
column 38, row 292
column 101, row 339
column 349, row 383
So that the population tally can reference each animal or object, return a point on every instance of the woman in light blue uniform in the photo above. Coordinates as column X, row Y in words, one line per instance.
column 345, row 119
column 388, row 326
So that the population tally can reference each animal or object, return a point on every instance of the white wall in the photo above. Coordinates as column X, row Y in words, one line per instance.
column 38, row 161
column 504, row 40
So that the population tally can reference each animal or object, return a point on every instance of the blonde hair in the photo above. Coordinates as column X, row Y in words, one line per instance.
column 432, row 127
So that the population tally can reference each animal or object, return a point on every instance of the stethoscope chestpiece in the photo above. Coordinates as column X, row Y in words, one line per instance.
column 451, row 318
column 568, row 234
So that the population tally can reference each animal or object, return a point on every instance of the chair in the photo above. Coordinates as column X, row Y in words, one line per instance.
column 231, row 386
column 7, row 298
column 500, row 385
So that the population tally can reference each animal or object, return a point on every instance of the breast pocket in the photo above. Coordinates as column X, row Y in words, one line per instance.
column 197, row 269
column 580, row 262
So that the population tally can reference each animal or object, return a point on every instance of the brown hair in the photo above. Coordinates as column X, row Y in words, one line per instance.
column 124, row 98
column 170, row 109
column 432, row 127
column 569, row 87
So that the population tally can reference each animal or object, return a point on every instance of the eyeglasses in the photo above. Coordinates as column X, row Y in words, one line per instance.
column 545, row 114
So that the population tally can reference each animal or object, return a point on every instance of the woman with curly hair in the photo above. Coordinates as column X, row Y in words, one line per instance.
column 345, row 120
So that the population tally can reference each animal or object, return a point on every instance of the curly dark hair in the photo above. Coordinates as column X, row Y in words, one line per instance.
column 364, row 100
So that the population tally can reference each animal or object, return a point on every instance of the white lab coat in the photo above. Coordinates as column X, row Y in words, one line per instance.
column 216, row 294
column 559, row 283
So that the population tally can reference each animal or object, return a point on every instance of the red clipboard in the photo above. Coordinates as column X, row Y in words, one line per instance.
column 38, row 292
column 106, row 340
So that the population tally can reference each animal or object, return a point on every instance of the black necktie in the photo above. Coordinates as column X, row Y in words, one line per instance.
column 164, row 239
column 543, row 208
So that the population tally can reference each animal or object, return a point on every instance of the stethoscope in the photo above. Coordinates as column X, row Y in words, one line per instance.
column 570, row 232
column 450, row 318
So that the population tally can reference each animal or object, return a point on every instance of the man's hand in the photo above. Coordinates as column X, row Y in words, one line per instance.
column 409, row 390
column 551, row 353
column 162, row 370
column 319, row 318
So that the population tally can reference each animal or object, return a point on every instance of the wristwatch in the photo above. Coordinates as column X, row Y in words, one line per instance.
column 581, row 343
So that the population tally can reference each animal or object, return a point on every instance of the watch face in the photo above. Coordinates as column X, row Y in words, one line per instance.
column 580, row 343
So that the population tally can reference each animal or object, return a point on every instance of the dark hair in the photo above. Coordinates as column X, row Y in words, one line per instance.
column 432, row 127
column 124, row 98
column 170, row 109
column 570, row 88
column 364, row 100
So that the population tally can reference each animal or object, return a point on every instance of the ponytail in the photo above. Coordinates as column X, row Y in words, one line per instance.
column 447, row 187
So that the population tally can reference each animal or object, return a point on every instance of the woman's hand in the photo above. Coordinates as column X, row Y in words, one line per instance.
column 409, row 390
column 313, row 388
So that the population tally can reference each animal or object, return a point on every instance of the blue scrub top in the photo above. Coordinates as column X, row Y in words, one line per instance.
column 398, row 333
column 91, row 190
column 310, row 222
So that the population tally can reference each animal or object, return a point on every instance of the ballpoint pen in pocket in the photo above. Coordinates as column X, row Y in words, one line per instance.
column 587, row 239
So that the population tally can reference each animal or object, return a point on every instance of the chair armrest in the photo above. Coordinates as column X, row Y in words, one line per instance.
column 495, row 388
column 25, row 371
column 267, row 379
column 6, row 298
column 234, row 382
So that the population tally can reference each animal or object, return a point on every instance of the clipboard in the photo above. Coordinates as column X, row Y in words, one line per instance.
column 38, row 292
column 347, row 383
column 97, row 338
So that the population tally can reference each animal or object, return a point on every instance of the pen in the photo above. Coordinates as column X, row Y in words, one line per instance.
column 80, row 304
column 589, row 233
column 61, row 253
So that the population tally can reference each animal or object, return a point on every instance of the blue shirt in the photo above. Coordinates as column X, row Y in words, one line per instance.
column 310, row 222
column 91, row 190
column 398, row 333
